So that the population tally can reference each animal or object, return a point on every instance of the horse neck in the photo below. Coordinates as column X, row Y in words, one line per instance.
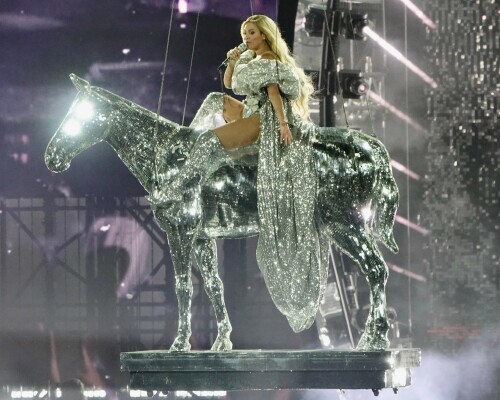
column 134, row 138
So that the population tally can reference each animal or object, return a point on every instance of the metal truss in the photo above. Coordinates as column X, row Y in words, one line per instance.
column 88, row 265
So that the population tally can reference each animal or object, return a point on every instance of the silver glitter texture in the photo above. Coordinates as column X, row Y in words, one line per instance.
column 331, row 184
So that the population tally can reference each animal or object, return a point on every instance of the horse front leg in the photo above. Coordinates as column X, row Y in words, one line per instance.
column 181, row 244
column 184, row 292
column 205, row 251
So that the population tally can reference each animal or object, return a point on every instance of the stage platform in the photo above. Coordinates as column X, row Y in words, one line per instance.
column 264, row 369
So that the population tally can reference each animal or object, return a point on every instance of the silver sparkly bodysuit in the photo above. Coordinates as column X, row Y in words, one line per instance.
column 288, row 251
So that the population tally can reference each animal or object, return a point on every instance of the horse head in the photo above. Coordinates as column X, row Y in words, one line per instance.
column 86, row 123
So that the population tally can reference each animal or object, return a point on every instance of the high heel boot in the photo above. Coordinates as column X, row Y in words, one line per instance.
column 206, row 155
column 213, row 106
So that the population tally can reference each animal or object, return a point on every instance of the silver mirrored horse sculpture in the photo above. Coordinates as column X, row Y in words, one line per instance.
column 356, row 198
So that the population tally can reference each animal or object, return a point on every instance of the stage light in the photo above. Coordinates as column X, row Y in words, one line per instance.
column 352, row 84
column 352, row 25
column 400, row 377
column 95, row 393
column 105, row 228
column 314, row 20
column 183, row 6
column 344, row 24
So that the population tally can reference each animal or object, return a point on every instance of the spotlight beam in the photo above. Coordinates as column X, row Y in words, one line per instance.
column 398, row 55
column 401, row 168
column 403, row 271
column 393, row 109
column 419, row 13
column 411, row 225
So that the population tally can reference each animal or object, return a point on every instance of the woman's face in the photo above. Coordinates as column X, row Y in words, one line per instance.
column 253, row 38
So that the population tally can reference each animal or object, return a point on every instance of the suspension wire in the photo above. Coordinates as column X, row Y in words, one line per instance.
column 164, row 71
column 408, row 231
column 327, row 25
column 190, row 67
column 384, row 66
column 276, row 33
column 367, row 105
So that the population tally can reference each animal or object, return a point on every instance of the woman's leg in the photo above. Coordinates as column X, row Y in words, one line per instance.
column 239, row 133
column 208, row 153
column 233, row 109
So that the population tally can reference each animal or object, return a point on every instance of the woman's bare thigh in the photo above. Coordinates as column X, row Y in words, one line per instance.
column 239, row 133
column 233, row 109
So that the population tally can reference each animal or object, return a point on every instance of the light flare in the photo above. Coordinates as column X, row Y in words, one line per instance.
column 72, row 127
column 183, row 6
column 366, row 212
column 84, row 110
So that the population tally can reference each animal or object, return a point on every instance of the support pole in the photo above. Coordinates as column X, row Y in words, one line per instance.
column 343, row 298
column 3, row 257
column 50, row 254
column 328, row 72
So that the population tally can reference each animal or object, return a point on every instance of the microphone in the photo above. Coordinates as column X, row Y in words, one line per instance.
column 241, row 47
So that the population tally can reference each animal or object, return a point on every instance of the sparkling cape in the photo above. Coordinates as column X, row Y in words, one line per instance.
column 291, row 251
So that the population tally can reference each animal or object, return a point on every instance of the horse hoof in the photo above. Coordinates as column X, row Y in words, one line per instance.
column 363, row 344
column 180, row 345
column 372, row 343
column 222, row 345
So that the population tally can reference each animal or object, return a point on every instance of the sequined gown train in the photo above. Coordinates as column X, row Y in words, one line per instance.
column 289, row 251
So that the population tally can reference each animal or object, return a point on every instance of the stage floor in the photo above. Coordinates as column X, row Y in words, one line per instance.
column 264, row 369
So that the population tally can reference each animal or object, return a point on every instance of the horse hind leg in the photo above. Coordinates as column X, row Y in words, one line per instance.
column 205, row 252
column 376, row 272
column 364, row 251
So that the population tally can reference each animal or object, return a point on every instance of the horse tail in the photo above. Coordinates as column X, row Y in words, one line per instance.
column 386, row 203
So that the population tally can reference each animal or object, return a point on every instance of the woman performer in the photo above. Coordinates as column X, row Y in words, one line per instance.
column 274, row 114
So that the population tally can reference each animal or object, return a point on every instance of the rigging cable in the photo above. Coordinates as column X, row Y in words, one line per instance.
column 408, row 231
column 190, row 67
column 157, row 125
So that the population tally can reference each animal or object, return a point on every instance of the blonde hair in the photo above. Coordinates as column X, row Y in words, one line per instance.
column 278, row 45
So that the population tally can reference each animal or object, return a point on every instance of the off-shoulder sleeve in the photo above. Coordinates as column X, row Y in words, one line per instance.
column 250, row 77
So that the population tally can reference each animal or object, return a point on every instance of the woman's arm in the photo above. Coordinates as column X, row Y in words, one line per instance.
column 277, row 102
column 233, row 55
column 228, row 74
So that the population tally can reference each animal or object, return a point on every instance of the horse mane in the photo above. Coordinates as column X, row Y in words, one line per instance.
column 123, row 102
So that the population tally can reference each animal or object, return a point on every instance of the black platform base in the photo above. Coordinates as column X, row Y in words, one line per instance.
column 258, row 370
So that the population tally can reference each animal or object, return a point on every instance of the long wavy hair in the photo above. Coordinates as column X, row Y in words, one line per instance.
column 278, row 45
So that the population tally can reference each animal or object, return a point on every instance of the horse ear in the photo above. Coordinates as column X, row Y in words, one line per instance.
column 79, row 83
